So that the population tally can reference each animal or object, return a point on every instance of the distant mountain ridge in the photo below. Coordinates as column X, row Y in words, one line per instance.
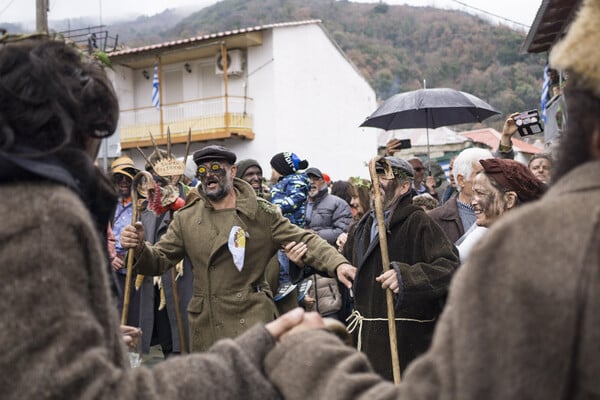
column 396, row 47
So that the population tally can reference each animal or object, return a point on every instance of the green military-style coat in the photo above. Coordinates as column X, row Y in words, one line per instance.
column 226, row 302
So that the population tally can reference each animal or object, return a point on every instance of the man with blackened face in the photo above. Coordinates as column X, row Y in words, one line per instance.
column 216, row 178
column 230, row 235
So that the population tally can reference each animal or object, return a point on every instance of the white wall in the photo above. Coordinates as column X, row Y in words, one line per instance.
column 121, row 78
column 320, row 100
column 307, row 98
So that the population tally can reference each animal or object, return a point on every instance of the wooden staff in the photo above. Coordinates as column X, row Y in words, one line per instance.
column 131, row 252
column 174, row 286
column 178, row 316
column 385, row 259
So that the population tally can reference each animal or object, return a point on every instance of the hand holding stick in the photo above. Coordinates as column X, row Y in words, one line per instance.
column 131, row 251
column 385, row 258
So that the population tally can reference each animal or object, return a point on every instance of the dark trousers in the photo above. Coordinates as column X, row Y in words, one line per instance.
column 161, row 331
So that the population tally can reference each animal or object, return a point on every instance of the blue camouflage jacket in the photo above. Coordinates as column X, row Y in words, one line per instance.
column 290, row 194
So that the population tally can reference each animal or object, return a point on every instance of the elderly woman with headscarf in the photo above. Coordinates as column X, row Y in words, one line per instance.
column 502, row 185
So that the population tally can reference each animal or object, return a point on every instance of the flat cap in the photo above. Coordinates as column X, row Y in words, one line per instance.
column 400, row 166
column 314, row 171
column 214, row 152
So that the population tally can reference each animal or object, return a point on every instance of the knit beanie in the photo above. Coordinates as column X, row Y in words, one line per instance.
column 400, row 167
column 287, row 163
column 243, row 165
column 514, row 176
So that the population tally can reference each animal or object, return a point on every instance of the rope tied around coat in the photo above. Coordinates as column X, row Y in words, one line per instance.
column 355, row 320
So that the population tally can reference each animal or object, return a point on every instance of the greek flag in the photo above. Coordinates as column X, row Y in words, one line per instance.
column 545, row 88
column 155, row 89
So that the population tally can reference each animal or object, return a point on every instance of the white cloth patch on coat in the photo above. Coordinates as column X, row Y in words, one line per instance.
column 237, row 246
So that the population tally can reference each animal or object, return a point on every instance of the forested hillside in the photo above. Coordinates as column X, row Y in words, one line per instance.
column 395, row 47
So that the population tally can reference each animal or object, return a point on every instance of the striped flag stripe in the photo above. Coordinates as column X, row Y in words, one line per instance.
column 155, row 89
column 545, row 89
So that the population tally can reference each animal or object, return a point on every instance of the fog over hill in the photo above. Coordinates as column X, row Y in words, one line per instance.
column 396, row 47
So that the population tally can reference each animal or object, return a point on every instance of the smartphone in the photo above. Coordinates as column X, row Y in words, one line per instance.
column 403, row 144
column 528, row 123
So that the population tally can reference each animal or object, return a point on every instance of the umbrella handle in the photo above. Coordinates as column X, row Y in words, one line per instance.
column 385, row 259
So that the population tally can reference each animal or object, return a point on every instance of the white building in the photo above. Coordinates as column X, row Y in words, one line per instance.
column 289, row 87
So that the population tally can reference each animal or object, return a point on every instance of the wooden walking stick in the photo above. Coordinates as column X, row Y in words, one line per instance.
column 159, row 203
column 174, row 286
column 178, row 316
column 385, row 258
column 131, row 252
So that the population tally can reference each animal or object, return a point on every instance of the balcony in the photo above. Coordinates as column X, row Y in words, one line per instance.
column 209, row 118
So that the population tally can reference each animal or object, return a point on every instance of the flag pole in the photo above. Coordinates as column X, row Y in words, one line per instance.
column 160, row 107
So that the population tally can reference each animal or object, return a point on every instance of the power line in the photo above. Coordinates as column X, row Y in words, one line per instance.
column 6, row 8
column 491, row 14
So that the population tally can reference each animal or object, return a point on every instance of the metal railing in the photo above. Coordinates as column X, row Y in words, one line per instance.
column 206, row 115
column 94, row 37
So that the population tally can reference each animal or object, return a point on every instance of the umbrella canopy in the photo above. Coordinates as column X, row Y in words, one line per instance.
column 429, row 108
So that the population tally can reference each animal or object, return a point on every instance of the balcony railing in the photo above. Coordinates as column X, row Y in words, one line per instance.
column 209, row 118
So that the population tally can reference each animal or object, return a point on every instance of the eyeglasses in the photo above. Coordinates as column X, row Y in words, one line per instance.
column 419, row 169
column 214, row 168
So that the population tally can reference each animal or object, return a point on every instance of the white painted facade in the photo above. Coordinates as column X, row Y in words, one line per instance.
column 306, row 95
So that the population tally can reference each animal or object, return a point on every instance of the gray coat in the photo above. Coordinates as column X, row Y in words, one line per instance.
column 330, row 216
column 521, row 321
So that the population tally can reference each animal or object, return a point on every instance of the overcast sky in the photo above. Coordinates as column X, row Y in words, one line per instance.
column 520, row 11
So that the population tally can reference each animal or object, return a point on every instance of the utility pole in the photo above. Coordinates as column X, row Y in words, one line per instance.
column 41, row 14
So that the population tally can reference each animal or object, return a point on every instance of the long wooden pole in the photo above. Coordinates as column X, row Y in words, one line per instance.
column 178, row 316
column 225, row 84
column 131, row 252
column 41, row 16
column 160, row 95
column 385, row 259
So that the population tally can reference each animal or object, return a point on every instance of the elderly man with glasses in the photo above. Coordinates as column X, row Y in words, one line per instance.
column 229, row 235
column 422, row 184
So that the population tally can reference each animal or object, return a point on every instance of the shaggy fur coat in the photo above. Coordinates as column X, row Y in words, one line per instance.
column 59, row 326
column 521, row 321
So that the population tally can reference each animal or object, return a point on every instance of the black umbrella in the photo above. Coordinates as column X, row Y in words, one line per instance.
column 429, row 108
